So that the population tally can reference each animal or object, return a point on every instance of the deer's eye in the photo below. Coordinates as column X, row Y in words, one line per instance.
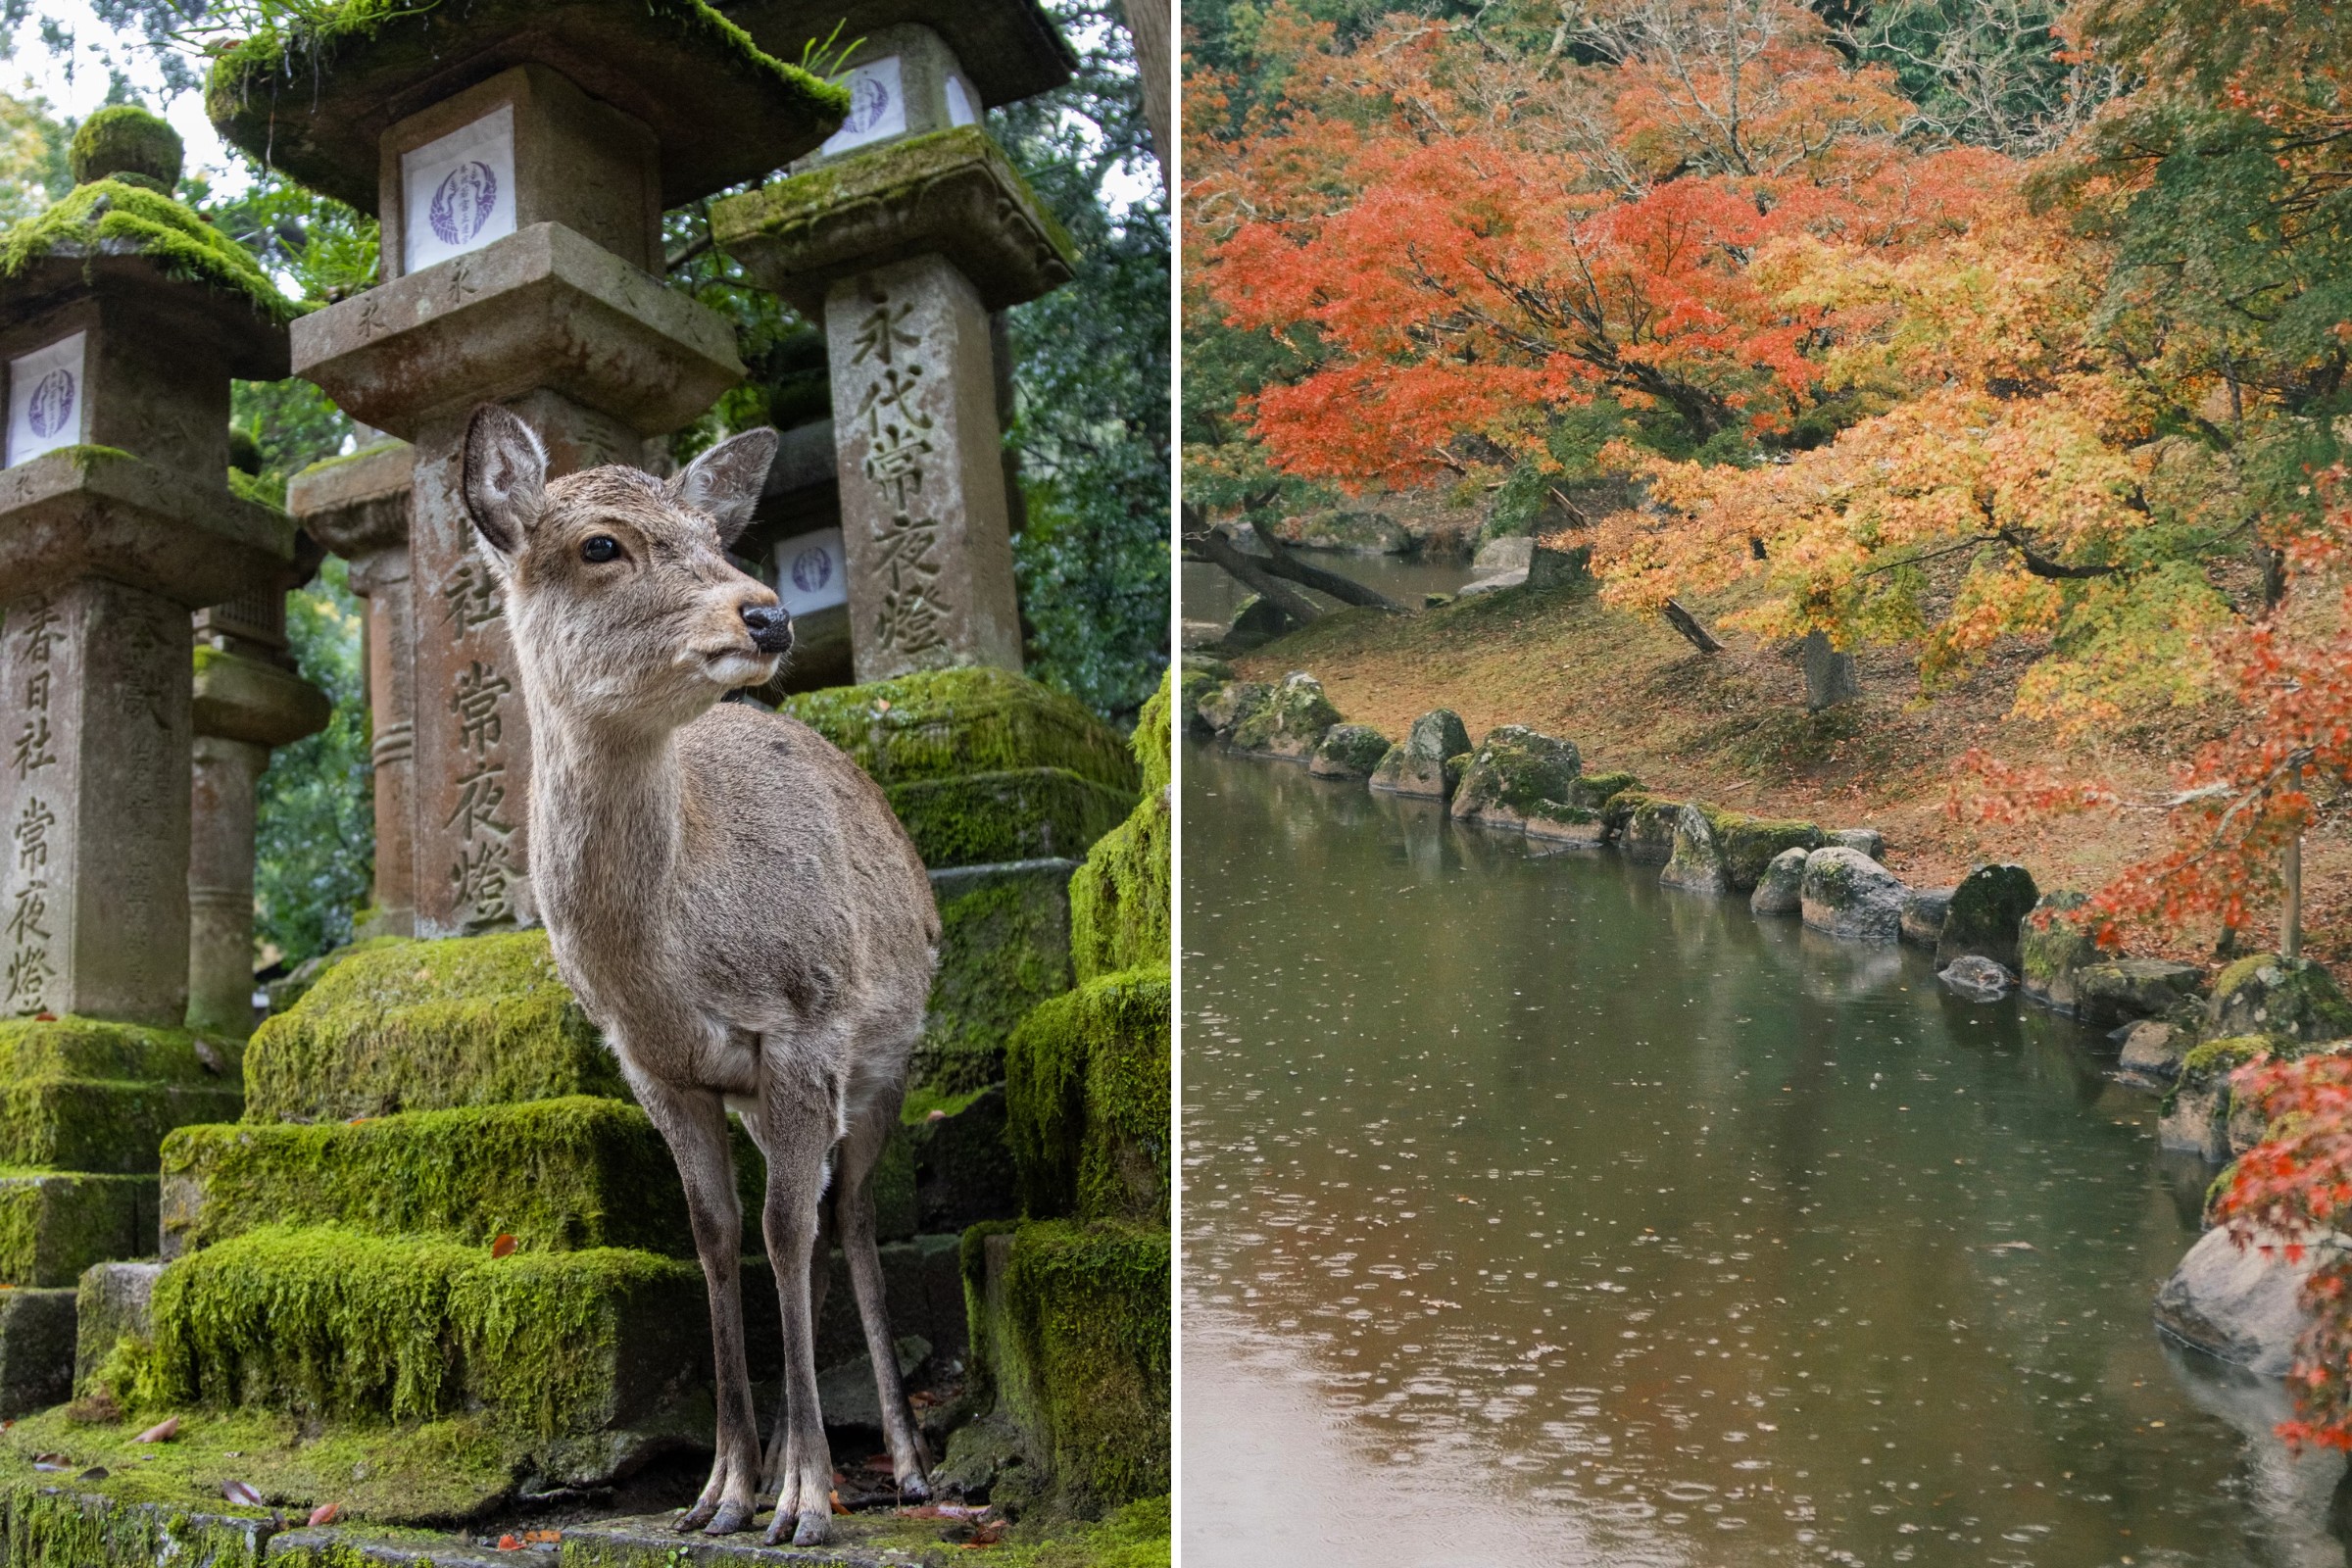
column 600, row 549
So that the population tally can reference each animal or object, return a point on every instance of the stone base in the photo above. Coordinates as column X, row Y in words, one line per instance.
column 106, row 1125
column 36, row 1349
column 953, row 724
column 1004, row 947
column 1021, row 815
column 55, row 1224
column 113, row 1301
column 1087, row 1085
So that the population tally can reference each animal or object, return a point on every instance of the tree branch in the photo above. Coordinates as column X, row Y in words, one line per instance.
column 1251, row 572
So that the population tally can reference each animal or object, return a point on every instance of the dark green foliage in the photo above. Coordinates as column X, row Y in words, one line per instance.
column 315, row 834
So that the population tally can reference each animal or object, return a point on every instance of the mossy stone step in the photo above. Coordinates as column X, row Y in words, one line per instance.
column 1087, row 1100
column 55, row 1224
column 36, row 1352
column 94, row 1048
column 418, row 1025
column 100, row 1124
column 950, row 723
column 1004, row 947
column 1019, row 814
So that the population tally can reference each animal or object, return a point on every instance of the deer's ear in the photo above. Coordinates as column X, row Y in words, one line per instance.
column 505, row 478
column 725, row 481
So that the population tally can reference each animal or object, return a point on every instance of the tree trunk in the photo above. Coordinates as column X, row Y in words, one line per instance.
column 1687, row 623
column 1830, row 677
column 1147, row 26
column 1280, row 563
column 1252, row 574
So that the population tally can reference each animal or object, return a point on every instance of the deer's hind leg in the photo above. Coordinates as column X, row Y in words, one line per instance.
column 800, row 1120
column 870, row 1123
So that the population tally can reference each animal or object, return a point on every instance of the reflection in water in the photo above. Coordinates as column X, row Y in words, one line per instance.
column 1541, row 1213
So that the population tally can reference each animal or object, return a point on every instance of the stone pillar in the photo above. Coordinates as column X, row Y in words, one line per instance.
column 357, row 507
column 904, row 239
column 220, row 851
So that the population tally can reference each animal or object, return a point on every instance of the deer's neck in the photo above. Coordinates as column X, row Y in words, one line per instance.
column 606, row 830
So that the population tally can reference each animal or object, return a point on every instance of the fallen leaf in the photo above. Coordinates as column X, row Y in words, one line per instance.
column 162, row 1431
column 880, row 1463
column 326, row 1513
column 509, row 1544
column 834, row 1497
column 238, row 1492
column 505, row 1244
column 354, row 1121
column 44, row 1017
column 542, row 1537
column 97, row 1472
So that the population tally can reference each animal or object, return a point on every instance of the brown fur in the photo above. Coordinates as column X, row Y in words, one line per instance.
column 731, row 896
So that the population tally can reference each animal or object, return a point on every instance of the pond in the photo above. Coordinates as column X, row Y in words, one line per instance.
column 1537, row 1214
column 1209, row 592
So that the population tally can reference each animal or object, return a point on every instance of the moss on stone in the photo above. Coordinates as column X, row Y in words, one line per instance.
column 115, row 218
column 331, row 1322
column 1291, row 722
column 888, row 174
column 1070, row 1334
column 1004, row 947
column 947, row 723
column 75, row 1047
column 1594, row 791
column 1122, row 899
column 428, row 1025
column 1750, row 844
column 98, row 1124
column 2051, row 945
column 45, row 1525
column 1086, row 1092
column 55, row 1224
column 1136, row 1535
column 1022, row 814
column 125, row 139
column 2267, row 993
column 1153, row 741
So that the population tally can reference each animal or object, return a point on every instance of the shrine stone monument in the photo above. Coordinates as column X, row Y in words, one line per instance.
column 901, row 236
column 520, row 157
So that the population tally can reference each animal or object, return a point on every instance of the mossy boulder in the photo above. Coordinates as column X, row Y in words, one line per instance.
column 1647, row 824
column 55, row 1224
column 1751, row 843
column 1019, row 814
column 1122, row 899
column 2265, row 993
column 1348, row 752
column 953, row 724
column 1354, row 533
column 36, row 1349
column 1780, row 889
column 2051, row 947
column 1984, row 916
column 1567, row 824
column 1695, row 863
column 1195, row 681
column 1515, row 773
column 1925, row 910
column 1070, row 1339
column 1848, row 895
column 1004, row 947
column 126, row 140
column 2195, row 1116
column 1087, row 1100
column 418, row 1025
column 1227, row 708
column 1291, row 723
column 1594, row 791
column 2116, row 991
column 1417, row 765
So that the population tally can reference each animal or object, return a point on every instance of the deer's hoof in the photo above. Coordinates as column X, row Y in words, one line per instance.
column 697, row 1516
column 731, row 1517
column 812, row 1528
column 914, row 1488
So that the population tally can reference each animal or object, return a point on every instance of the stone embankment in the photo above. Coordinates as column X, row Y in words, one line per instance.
column 2182, row 1033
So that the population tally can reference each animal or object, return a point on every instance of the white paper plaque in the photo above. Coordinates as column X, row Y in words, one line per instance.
column 877, row 106
column 959, row 101
column 809, row 574
column 47, row 400
column 457, row 193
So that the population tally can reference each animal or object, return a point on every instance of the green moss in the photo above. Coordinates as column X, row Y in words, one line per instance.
column 2266, row 994
column 1617, row 812
column 54, row 1224
column 1024, row 814
column 1004, row 947
column 106, row 1125
column 1750, row 842
column 1087, row 1096
column 947, row 723
column 1136, row 1536
column 113, row 217
column 886, row 176
column 1518, row 771
column 1594, row 791
column 2216, row 1060
column 1291, row 722
column 1154, row 742
column 126, row 140
column 418, row 1025
column 1070, row 1335
column 45, row 1525
column 74, row 1047
column 1122, row 900
column 331, row 1322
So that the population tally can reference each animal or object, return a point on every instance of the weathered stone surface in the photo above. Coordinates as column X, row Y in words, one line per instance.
column 963, row 1168
column 1517, row 772
column 1354, row 533
column 951, row 194
column 1869, row 840
column 1550, row 567
column 1985, row 909
column 1495, row 582
column 2116, row 990
column 2267, row 995
column 1016, row 815
column 1230, row 706
column 1751, row 843
column 1924, row 912
column 1568, row 824
column 1348, row 751
column 1852, row 897
column 36, row 1349
column 1978, row 978
column 1513, row 553
column 55, row 1224
column 1198, row 676
column 2237, row 1304
column 1004, row 947
column 1292, row 722
column 953, row 723
column 1417, row 766
column 1696, row 862
column 2153, row 1051
column 1087, row 1094
column 221, row 846
column 2051, row 948
column 1780, row 890
column 2196, row 1114
column 111, row 1301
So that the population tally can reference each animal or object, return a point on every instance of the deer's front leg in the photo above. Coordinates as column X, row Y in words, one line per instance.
column 693, row 1123
column 854, row 1204
column 798, row 1124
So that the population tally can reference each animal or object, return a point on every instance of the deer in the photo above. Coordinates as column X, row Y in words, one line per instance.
column 730, row 895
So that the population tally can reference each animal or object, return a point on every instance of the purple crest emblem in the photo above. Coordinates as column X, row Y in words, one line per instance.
column 463, row 204
column 811, row 569
column 52, row 403
column 868, row 98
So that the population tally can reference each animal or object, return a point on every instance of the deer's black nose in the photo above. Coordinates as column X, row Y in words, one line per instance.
column 770, row 628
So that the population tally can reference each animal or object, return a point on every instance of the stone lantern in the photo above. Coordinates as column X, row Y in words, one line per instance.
column 519, row 157
column 122, row 319
column 902, row 236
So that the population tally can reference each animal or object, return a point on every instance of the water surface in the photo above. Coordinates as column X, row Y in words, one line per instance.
column 1537, row 1214
column 1209, row 592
